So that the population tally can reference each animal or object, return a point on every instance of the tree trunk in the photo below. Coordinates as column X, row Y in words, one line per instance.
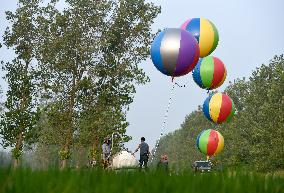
column 64, row 160
column 19, row 143
column 63, row 164
column 79, row 162
column 18, row 149
column 69, row 137
column 15, row 163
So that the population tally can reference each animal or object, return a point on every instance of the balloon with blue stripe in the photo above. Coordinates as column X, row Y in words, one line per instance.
column 174, row 52
column 205, row 33
column 209, row 73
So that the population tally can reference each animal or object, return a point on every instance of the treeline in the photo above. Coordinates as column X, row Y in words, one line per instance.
column 254, row 138
column 73, row 75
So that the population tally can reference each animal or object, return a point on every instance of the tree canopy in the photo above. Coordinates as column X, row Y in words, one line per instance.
column 253, row 138
column 75, row 72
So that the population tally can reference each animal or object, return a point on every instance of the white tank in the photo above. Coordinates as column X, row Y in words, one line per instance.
column 124, row 159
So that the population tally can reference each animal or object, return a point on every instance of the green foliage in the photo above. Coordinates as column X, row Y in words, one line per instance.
column 257, row 131
column 64, row 155
column 24, row 181
column 16, row 153
column 89, row 56
column 75, row 73
column 1, row 103
column 92, row 152
column 20, row 110
column 254, row 137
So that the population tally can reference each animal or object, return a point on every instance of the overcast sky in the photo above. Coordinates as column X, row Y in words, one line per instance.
column 251, row 32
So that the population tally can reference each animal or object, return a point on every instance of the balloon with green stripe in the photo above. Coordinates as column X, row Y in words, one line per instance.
column 209, row 73
column 210, row 142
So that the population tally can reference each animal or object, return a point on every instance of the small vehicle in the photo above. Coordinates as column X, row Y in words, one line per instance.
column 202, row 166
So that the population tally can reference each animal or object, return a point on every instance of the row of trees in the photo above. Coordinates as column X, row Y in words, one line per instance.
column 253, row 138
column 74, row 73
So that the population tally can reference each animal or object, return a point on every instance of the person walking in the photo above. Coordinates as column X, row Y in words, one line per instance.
column 144, row 153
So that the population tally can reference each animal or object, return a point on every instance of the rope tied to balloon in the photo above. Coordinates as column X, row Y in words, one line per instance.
column 165, row 120
column 166, row 115
column 177, row 51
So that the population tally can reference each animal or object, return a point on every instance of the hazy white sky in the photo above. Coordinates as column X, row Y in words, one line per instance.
column 251, row 32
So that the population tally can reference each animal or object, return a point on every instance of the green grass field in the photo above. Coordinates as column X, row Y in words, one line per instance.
column 83, row 181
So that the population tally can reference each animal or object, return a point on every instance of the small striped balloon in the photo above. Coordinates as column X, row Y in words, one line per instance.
column 219, row 108
column 175, row 52
column 210, row 142
column 209, row 73
column 205, row 32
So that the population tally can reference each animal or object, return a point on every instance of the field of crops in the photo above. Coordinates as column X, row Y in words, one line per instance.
column 83, row 181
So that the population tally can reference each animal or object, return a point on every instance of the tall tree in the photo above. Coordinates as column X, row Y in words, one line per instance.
column 17, row 123
column 259, row 125
column 254, row 137
column 1, row 97
column 89, row 56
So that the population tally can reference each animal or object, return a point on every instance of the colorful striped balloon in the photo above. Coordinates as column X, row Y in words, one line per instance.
column 205, row 32
column 210, row 142
column 209, row 73
column 174, row 52
column 218, row 108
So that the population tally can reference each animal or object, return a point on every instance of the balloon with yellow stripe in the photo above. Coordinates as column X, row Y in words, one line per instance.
column 210, row 142
column 205, row 33
column 219, row 108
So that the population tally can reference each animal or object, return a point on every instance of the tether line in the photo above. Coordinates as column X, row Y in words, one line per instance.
column 165, row 120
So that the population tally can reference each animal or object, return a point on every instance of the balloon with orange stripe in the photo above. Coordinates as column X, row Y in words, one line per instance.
column 210, row 142
column 219, row 108
column 209, row 73
column 205, row 33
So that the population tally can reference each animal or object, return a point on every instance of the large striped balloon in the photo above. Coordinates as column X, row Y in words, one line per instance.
column 218, row 108
column 175, row 52
column 205, row 32
column 210, row 142
column 209, row 73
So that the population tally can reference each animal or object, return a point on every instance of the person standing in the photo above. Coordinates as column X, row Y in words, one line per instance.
column 163, row 164
column 144, row 153
column 106, row 152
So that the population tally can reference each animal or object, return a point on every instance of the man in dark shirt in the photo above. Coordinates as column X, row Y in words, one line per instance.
column 144, row 153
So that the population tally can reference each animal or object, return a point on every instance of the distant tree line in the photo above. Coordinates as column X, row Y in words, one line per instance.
column 253, row 138
column 73, row 75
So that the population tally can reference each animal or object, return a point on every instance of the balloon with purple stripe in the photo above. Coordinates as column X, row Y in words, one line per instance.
column 175, row 52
